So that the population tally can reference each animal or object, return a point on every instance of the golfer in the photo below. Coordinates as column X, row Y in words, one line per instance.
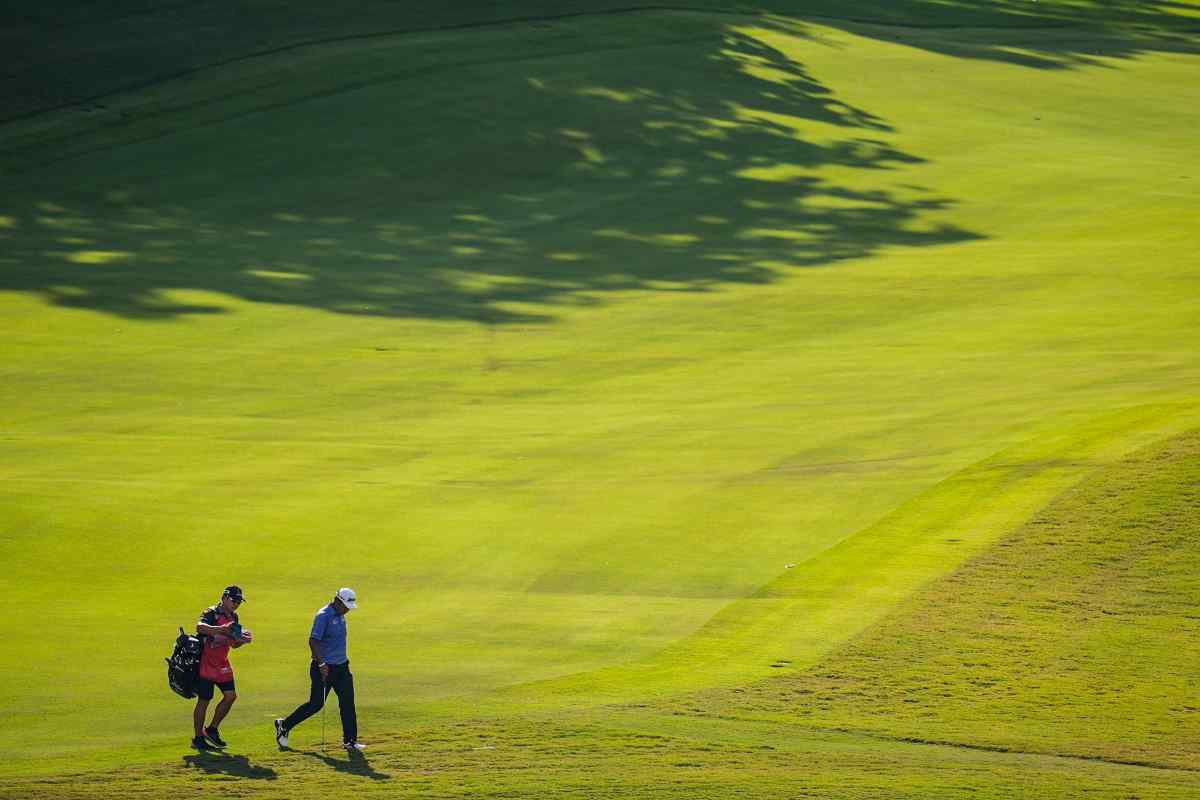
column 330, row 669
column 219, row 630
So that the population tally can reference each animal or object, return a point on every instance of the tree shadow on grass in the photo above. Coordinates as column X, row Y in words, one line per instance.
column 224, row 764
column 491, row 192
column 1050, row 34
column 99, row 51
column 355, row 763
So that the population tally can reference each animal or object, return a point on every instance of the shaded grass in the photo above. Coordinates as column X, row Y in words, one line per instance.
column 368, row 154
column 97, row 52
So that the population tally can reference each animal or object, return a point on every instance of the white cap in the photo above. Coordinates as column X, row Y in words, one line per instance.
column 346, row 595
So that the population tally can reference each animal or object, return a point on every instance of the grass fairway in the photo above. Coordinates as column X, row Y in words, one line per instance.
column 702, row 402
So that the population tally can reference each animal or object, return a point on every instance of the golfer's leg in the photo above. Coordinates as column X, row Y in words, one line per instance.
column 315, row 699
column 345, row 692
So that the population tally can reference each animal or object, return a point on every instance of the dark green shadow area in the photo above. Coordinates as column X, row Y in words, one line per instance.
column 485, row 186
column 54, row 54
column 1039, row 34
column 355, row 763
column 235, row 766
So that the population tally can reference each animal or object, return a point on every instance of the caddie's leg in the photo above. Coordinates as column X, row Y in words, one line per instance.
column 227, row 700
column 198, row 715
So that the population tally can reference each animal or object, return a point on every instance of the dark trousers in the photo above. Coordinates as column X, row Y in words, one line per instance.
column 342, row 682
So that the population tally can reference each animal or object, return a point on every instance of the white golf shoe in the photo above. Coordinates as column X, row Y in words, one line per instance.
column 281, row 735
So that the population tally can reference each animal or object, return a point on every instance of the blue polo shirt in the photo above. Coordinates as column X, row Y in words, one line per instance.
column 329, row 629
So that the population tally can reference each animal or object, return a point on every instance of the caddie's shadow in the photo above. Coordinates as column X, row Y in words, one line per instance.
column 355, row 764
column 223, row 764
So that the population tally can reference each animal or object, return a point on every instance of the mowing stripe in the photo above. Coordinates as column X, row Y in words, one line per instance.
column 808, row 611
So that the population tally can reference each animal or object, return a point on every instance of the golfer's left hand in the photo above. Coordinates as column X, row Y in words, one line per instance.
column 246, row 636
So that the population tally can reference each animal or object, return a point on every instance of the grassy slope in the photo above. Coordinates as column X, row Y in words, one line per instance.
column 1060, row 662
column 653, row 449
column 1077, row 635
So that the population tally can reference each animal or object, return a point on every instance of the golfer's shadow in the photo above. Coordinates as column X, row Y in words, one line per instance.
column 223, row 764
column 355, row 764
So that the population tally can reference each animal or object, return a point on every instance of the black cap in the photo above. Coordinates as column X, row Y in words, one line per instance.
column 235, row 592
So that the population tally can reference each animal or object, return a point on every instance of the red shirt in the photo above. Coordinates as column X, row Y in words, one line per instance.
column 214, row 659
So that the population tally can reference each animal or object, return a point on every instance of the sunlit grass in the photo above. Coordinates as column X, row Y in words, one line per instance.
column 625, row 366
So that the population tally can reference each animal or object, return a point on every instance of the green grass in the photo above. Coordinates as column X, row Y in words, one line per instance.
column 560, row 342
column 1075, row 636
column 1060, row 661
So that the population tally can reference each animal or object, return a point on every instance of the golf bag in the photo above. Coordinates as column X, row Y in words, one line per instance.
column 183, row 667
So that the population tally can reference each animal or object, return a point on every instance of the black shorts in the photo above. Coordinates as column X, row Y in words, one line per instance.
column 204, row 687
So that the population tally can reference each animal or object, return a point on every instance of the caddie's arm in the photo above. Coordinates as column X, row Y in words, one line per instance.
column 215, row 630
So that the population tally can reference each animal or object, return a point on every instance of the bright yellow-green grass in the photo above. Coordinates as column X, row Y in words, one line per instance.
column 618, row 361
column 1061, row 663
column 1079, row 635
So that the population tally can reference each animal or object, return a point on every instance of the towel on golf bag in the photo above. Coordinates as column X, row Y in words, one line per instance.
column 183, row 667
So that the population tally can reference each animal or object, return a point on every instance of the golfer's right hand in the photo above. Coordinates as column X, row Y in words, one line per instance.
column 324, row 670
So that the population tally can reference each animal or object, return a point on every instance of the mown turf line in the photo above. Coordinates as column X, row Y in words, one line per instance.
column 813, row 607
column 1077, row 636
